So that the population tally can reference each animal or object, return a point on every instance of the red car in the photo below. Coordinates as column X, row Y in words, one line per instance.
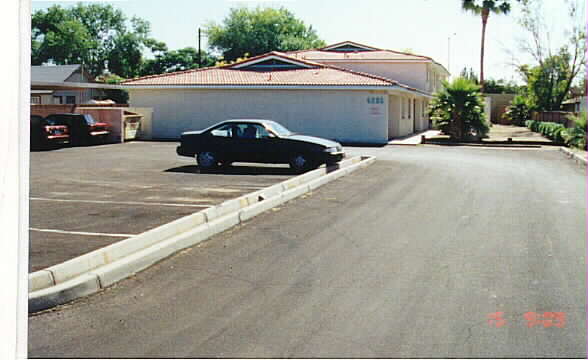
column 84, row 130
column 46, row 134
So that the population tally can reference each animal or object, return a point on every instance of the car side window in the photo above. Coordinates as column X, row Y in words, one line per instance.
column 251, row 131
column 223, row 131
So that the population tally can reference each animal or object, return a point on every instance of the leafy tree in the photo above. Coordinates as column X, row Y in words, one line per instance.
column 260, row 31
column 552, row 79
column 469, row 74
column 548, row 83
column 458, row 110
column 501, row 86
column 221, row 61
column 483, row 8
column 491, row 86
column 118, row 96
column 96, row 35
column 176, row 60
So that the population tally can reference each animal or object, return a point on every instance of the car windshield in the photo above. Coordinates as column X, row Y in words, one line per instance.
column 54, row 121
column 89, row 119
column 279, row 129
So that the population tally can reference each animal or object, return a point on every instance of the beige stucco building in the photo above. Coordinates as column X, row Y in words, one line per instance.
column 358, row 100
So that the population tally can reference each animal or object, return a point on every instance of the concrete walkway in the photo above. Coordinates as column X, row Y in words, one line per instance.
column 517, row 133
column 414, row 139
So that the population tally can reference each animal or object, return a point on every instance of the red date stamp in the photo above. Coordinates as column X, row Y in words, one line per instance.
column 546, row 319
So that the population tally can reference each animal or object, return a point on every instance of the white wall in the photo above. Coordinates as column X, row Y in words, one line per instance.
column 343, row 115
column 394, row 113
column 411, row 74
column 402, row 125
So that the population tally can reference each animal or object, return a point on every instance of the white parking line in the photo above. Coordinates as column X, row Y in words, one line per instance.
column 121, row 202
column 81, row 233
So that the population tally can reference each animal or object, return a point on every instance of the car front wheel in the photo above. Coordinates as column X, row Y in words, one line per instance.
column 206, row 160
column 300, row 163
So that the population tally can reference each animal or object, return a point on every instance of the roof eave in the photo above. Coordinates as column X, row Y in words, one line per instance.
column 59, row 85
column 389, row 88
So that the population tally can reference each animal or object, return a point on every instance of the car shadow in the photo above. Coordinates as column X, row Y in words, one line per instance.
column 233, row 170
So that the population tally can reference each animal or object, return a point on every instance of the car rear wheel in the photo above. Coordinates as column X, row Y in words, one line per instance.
column 207, row 160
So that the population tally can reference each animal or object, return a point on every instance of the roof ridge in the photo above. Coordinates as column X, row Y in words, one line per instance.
column 405, row 53
column 360, row 51
column 351, row 42
column 278, row 54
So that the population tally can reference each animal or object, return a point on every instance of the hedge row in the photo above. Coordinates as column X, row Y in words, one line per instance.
column 550, row 130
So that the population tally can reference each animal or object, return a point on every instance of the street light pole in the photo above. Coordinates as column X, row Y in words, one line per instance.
column 449, row 52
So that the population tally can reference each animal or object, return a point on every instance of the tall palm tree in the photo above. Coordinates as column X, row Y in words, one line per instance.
column 484, row 8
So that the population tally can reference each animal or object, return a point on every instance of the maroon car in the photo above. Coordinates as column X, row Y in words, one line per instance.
column 46, row 134
column 83, row 129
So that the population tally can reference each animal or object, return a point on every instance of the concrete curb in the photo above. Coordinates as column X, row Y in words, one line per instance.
column 91, row 272
column 572, row 155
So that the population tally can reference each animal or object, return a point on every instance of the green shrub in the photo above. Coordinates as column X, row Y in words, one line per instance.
column 576, row 136
column 556, row 134
column 518, row 111
column 458, row 110
column 550, row 130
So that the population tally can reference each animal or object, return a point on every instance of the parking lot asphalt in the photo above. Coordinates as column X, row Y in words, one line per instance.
column 416, row 256
column 84, row 198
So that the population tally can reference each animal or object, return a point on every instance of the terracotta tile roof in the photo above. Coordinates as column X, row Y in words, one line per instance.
column 317, row 75
column 379, row 54
column 228, row 76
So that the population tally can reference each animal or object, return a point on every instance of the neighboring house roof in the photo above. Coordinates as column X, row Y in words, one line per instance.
column 59, row 77
column 53, row 73
column 366, row 53
column 271, row 69
column 575, row 100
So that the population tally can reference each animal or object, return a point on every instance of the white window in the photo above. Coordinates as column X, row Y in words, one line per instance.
column 403, row 107
column 57, row 100
column 423, row 108
column 35, row 100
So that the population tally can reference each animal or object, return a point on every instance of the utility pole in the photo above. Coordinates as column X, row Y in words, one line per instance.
column 199, row 57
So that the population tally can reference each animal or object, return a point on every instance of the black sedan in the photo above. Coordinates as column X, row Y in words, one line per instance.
column 262, row 141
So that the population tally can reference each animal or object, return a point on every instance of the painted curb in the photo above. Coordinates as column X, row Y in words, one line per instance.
column 572, row 155
column 91, row 272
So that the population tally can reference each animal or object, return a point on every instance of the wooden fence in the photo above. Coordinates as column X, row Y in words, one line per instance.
column 560, row 117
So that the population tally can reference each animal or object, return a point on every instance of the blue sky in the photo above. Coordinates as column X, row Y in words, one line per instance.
column 425, row 26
